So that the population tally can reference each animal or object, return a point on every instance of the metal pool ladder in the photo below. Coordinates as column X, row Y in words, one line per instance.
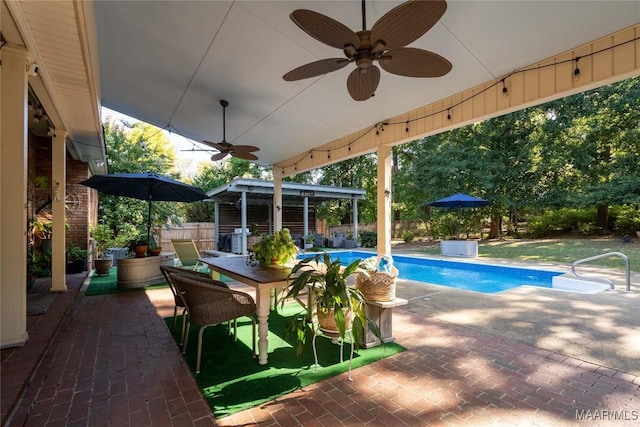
column 608, row 254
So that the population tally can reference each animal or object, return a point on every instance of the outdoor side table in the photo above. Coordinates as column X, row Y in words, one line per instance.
column 381, row 313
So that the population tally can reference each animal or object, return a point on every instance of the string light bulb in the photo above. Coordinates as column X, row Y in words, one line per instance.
column 576, row 70
column 505, row 91
column 406, row 129
column 448, row 113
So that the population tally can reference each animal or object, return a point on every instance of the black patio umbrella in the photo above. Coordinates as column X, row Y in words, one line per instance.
column 460, row 200
column 147, row 186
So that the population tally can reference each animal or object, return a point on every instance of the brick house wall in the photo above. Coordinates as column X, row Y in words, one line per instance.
column 81, row 201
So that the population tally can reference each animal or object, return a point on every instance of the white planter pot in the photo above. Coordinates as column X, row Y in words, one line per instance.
column 461, row 248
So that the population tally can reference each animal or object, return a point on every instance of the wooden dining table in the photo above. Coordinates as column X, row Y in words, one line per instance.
column 265, row 280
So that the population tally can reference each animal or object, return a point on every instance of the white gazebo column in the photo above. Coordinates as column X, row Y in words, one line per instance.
column 13, row 196
column 216, row 225
column 58, row 186
column 354, row 205
column 277, row 199
column 384, row 200
column 243, row 222
column 305, row 214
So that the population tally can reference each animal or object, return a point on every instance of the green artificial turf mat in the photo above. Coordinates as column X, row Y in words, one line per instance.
column 232, row 381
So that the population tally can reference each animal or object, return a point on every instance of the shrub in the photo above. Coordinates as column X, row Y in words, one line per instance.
column 368, row 239
column 407, row 236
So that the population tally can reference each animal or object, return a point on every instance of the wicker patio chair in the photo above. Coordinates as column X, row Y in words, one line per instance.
column 166, row 270
column 211, row 305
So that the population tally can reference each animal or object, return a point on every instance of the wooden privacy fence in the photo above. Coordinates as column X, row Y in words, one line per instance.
column 202, row 233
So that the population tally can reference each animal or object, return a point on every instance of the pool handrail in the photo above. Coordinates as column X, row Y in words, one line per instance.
column 608, row 254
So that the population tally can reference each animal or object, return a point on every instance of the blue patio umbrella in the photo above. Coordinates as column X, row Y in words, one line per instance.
column 460, row 200
column 147, row 186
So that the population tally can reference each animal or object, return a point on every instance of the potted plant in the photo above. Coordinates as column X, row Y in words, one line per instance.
column 309, row 241
column 104, row 237
column 76, row 259
column 254, row 237
column 276, row 249
column 339, row 307
column 141, row 248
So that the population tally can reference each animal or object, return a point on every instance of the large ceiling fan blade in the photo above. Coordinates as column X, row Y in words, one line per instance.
column 244, row 155
column 324, row 29
column 363, row 82
column 219, row 156
column 245, row 148
column 314, row 69
column 412, row 62
column 406, row 23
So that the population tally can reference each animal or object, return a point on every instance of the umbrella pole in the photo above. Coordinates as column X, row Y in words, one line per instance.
column 149, row 224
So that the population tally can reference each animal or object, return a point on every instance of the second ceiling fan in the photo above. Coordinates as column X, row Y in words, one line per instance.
column 384, row 43
column 225, row 148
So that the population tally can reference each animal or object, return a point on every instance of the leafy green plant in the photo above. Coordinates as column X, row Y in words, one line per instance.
column 104, row 237
column 368, row 239
column 76, row 253
column 276, row 248
column 408, row 236
column 310, row 239
column 327, row 282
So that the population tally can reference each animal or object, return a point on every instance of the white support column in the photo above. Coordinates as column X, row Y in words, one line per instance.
column 58, row 186
column 305, row 214
column 277, row 199
column 216, row 225
column 355, row 218
column 13, row 196
column 243, row 222
column 384, row 200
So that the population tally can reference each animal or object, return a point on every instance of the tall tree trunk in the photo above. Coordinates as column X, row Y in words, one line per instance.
column 602, row 219
column 494, row 229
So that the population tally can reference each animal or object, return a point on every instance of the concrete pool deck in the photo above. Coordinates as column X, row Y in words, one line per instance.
column 602, row 328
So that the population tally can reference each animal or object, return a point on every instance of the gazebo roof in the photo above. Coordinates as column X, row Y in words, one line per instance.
column 260, row 192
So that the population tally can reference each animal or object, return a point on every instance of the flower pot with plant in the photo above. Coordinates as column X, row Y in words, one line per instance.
column 276, row 249
column 340, row 307
column 254, row 237
column 309, row 241
column 104, row 237
column 76, row 259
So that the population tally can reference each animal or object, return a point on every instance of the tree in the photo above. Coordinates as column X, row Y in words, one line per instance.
column 216, row 174
column 136, row 148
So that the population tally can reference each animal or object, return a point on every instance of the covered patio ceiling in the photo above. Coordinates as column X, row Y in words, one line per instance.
column 170, row 63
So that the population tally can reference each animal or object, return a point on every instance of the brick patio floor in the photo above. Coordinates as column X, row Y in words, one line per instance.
column 110, row 361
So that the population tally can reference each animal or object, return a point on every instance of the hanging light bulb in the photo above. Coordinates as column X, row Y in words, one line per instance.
column 576, row 70
column 505, row 91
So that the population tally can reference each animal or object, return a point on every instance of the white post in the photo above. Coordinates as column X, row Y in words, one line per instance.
column 305, row 214
column 58, row 190
column 355, row 218
column 243, row 222
column 13, row 196
column 216, row 225
column 384, row 200
column 277, row 199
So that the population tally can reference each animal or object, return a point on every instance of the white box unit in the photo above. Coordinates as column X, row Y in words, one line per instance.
column 461, row 248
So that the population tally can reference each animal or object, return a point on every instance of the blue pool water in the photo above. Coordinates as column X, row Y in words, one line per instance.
column 470, row 276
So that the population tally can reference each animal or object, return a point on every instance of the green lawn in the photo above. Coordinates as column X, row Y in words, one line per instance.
column 559, row 250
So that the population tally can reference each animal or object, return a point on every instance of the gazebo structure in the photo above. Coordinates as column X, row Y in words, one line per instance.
column 242, row 202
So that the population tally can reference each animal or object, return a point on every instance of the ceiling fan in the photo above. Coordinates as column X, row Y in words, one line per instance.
column 385, row 43
column 225, row 148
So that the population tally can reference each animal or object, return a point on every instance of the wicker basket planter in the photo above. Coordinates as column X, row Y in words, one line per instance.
column 327, row 322
column 377, row 286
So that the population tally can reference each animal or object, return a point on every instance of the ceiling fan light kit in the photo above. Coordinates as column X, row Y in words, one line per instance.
column 225, row 148
column 384, row 43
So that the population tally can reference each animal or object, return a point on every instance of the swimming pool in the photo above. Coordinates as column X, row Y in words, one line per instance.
column 462, row 275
